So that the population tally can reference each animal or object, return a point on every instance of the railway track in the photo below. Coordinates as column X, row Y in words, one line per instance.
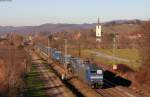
column 111, row 92
column 53, row 85
column 75, row 83
column 116, row 91
column 104, row 93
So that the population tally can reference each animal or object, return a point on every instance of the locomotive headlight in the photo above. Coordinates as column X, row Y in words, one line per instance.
column 91, row 80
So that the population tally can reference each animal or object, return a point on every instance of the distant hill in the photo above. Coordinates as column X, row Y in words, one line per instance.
column 47, row 28
column 65, row 27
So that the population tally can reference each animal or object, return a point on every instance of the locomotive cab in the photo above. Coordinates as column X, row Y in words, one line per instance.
column 96, row 77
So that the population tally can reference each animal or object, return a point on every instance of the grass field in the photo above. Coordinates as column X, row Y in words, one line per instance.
column 34, row 85
column 130, row 54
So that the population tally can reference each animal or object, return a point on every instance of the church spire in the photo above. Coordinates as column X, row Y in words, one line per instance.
column 98, row 22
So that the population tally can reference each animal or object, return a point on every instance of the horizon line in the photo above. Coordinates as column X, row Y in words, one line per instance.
column 74, row 23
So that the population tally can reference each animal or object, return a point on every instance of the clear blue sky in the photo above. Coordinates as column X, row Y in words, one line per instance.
column 36, row 12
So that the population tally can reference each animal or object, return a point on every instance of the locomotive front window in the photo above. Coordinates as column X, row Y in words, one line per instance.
column 99, row 72
column 93, row 71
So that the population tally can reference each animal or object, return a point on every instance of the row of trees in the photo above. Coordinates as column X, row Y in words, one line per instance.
column 143, row 77
column 12, row 66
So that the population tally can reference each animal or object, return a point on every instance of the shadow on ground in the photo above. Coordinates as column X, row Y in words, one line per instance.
column 112, row 80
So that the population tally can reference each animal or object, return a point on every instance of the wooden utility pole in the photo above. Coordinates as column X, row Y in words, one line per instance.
column 114, row 49
column 50, row 38
column 48, row 49
column 79, row 44
column 65, row 58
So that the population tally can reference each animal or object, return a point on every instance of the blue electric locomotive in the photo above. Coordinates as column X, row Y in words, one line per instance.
column 57, row 55
column 88, row 72
column 95, row 75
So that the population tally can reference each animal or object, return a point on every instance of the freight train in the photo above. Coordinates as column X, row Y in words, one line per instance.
column 86, row 71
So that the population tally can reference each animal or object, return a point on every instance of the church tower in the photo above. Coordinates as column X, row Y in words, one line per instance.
column 98, row 30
